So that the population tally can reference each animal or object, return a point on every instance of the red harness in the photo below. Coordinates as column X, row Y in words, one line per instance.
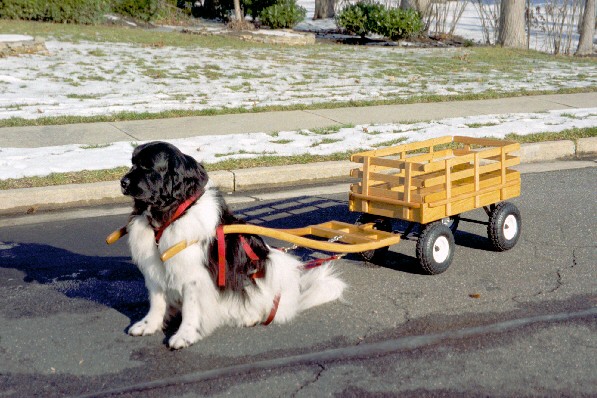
column 177, row 213
column 252, row 256
column 222, row 252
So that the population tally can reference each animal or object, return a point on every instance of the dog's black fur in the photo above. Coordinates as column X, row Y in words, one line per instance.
column 160, row 179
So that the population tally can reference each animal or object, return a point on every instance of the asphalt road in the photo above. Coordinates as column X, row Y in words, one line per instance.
column 517, row 323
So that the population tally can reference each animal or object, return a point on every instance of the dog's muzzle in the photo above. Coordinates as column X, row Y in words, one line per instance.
column 125, row 184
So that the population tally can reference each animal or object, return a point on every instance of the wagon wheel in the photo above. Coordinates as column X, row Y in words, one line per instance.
column 435, row 248
column 504, row 226
column 381, row 224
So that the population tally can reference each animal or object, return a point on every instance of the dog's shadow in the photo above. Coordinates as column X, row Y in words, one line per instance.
column 113, row 282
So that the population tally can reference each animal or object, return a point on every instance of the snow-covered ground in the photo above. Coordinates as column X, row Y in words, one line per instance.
column 21, row 162
column 88, row 78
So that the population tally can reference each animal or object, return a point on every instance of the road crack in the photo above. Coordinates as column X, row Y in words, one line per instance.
column 311, row 382
column 558, row 284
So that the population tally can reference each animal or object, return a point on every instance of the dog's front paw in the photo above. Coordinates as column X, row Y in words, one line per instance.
column 184, row 338
column 144, row 328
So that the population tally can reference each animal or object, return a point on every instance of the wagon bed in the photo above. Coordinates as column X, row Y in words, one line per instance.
column 433, row 179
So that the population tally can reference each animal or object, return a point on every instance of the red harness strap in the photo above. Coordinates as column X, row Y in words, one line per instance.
column 272, row 313
column 319, row 261
column 221, row 256
column 252, row 256
column 248, row 249
column 179, row 212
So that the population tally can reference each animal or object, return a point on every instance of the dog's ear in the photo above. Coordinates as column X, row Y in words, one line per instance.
column 187, row 177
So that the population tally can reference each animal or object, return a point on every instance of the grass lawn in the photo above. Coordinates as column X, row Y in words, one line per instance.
column 218, row 74
column 323, row 75
column 86, row 176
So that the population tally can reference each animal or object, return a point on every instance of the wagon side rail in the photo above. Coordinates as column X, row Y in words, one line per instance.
column 434, row 173
column 394, row 167
column 472, row 174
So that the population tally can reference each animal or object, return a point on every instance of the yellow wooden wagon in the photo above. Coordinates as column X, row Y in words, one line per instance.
column 431, row 183
column 428, row 183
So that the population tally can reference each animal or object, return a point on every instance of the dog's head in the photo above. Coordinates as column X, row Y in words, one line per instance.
column 162, row 176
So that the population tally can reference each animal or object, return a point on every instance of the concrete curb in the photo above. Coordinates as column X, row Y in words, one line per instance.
column 28, row 200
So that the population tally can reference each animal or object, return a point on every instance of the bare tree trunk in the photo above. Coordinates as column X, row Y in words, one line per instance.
column 324, row 9
column 587, row 30
column 237, row 11
column 511, row 30
column 418, row 5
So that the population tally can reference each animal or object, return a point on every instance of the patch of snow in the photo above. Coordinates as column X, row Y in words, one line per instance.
column 89, row 78
column 12, row 38
column 26, row 162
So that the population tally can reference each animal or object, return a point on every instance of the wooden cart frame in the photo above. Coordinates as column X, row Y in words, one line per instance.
column 429, row 180
column 431, row 183
column 428, row 183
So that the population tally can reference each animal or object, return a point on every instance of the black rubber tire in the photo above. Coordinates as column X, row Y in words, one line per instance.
column 504, row 226
column 435, row 248
column 375, row 256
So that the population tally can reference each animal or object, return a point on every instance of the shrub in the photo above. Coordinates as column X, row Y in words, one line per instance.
column 255, row 7
column 62, row 11
column 398, row 23
column 360, row 18
column 213, row 9
column 365, row 18
column 142, row 9
column 285, row 14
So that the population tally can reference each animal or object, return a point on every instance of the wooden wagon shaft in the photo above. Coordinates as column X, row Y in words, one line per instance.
column 368, row 237
column 114, row 236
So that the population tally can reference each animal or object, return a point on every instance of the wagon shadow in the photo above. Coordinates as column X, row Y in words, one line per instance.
column 309, row 210
column 473, row 241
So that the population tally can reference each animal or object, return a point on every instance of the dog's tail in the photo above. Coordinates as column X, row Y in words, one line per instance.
column 320, row 285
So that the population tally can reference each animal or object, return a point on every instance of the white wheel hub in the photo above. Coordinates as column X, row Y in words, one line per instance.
column 441, row 249
column 510, row 228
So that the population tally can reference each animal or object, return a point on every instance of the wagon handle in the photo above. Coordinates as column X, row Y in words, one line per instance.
column 114, row 236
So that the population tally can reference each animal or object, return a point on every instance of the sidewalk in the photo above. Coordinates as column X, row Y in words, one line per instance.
column 160, row 129
column 21, row 200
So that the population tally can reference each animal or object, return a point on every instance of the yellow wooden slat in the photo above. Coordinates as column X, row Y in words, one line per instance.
column 391, row 179
column 482, row 141
column 436, row 193
column 496, row 188
column 413, row 146
column 468, row 170
column 476, row 178
column 384, row 200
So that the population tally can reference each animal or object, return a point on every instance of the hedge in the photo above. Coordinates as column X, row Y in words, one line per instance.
column 63, row 11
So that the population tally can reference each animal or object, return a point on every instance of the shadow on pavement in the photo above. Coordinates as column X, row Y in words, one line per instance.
column 116, row 283
column 110, row 281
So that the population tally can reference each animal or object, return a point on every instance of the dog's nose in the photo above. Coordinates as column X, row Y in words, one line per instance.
column 125, row 183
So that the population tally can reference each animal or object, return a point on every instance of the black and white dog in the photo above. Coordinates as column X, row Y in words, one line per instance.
column 174, row 201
